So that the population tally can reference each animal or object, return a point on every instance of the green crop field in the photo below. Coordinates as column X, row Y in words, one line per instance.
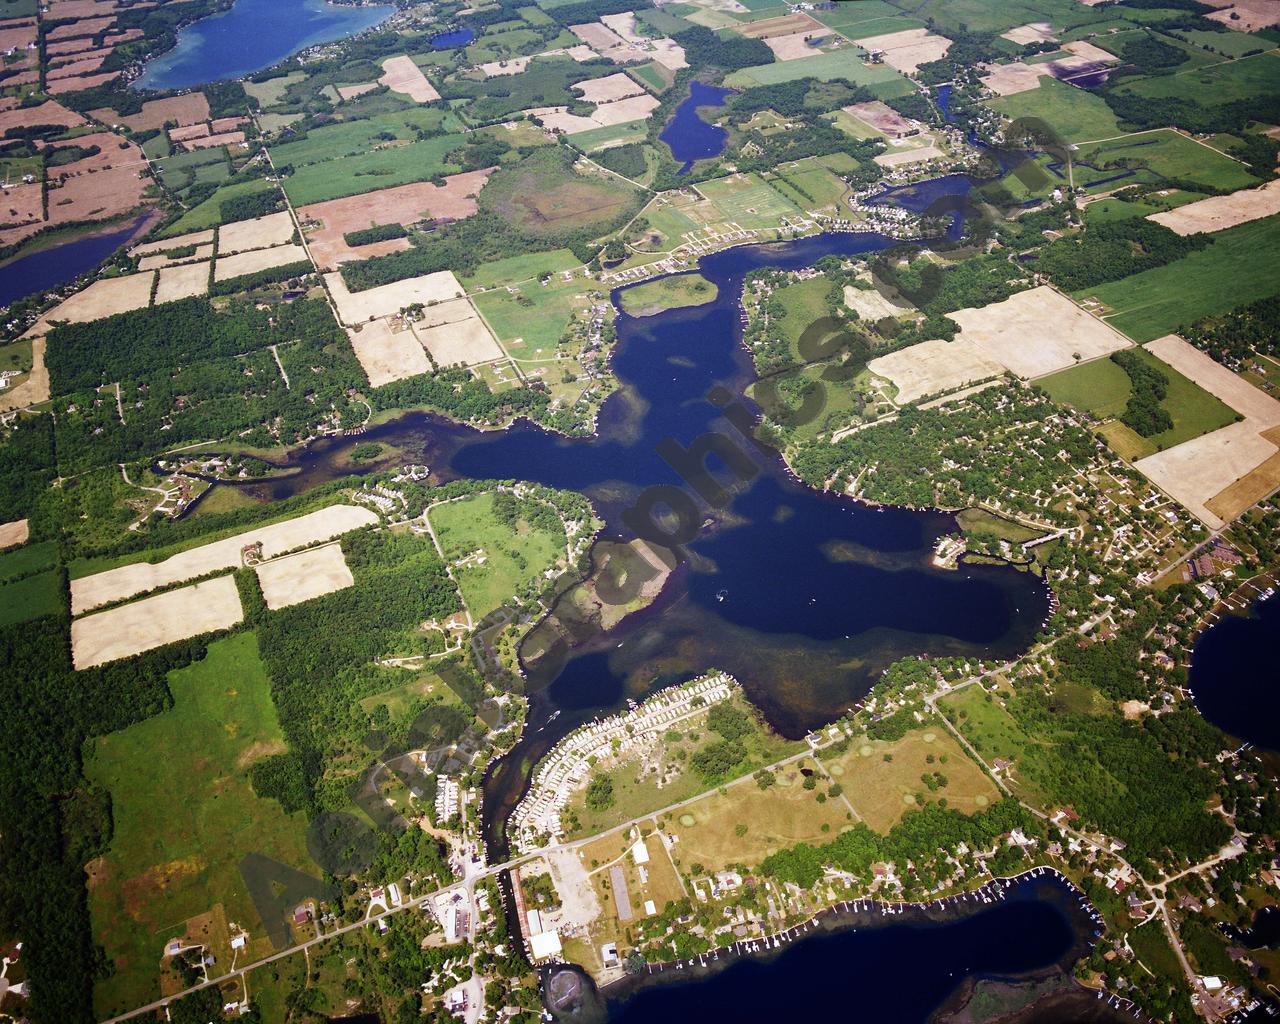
column 400, row 165
column 184, row 815
column 998, row 15
column 1216, row 84
column 512, row 558
column 31, row 597
column 208, row 214
column 28, row 559
column 1076, row 115
column 528, row 267
column 1239, row 268
column 880, row 79
column 748, row 201
column 271, row 92
column 1169, row 154
column 1099, row 387
column 531, row 322
column 1228, row 44
column 1110, row 209
column 354, row 138
column 811, row 185
column 611, row 135
column 1193, row 410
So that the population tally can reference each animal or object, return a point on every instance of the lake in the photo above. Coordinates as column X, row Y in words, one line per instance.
column 687, row 135
column 1229, row 677
column 46, row 269
column 253, row 35
column 452, row 40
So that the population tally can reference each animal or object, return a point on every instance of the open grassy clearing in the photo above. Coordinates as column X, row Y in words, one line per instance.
column 1170, row 154
column 1157, row 302
column 28, row 559
column 977, row 520
column 528, row 267
column 986, row 724
column 183, row 822
column 748, row 200
column 1228, row 44
column 530, row 321
column 31, row 597
column 1109, row 209
column 611, row 135
column 400, row 700
column 710, row 835
column 882, row 780
column 883, row 81
column 1100, row 387
column 208, row 214
column 364, row 172
column 1215, row 84
column 668, row 293
column 1075, row 114
column 505, row 560
column 352, row 138
column 999, row 15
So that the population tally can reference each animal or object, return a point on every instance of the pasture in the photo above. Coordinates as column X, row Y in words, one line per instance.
column 1100, row 388
column 376, row 169
column 28, row 559
column 668, row 293
column 748, row 201
column 880, row 79
column 208, row 214
column 1075, row 114
column 986, row 724
column 526, row 267
column 531, row 320
column 353, row 138
column 1157, row 302
column 1169, row 154
column 1216, row 84
column 182, row 823
column 491, row 560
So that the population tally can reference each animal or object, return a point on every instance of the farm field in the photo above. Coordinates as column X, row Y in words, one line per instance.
column 1076, row 115
column 355, row 138
column 364, row 172
column 748, row 201
column 208, row 214
column 530, row 321
column 28, row 559
column 527, row 267
column 31, row 597
column 506, row 559
column 1157, row 302
column 1213, row 85
column 183, row 822
column 984, row 723
column 883, row 81
column 1170, row 154
column 1100, row 387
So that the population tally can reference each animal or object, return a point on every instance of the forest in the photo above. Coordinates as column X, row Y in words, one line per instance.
column 1112, row 250
column 1148, row 385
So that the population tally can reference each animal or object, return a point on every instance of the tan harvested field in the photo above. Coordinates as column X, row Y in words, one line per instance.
column 908, row 49
column 65, row 85
column 462, row 341
column 882, row 117
column 126, row 581
column 74, row 69
column 402, row 75
column 178, row 242
column 788, row 24
column 226, row 124
column 299, row 577
column 22, row 204
column 1256, row 406
column 872, row 304
column 404, row 204
column 182, row 282
column 67, row 46
column 1007, row 79
column 388, row 355
column 191, row 131
column 78, row 29
column 909, row 156
column 17, row 33
column 49, row 112
column 624, row 25
column 634, row 108
column 350, row 92
column 155, row 621
column 388, row 299
column 581, row 53
column 159, row 260
column 14, row 533
column 598, row 36
column 612, row 87
column 191, row 108
column 933, row 367
column 243, row 263
column 210, row 141
column 33, row 390
column 1219, row 212
column 1247, row 15
column 259, row 233
column 1089, row 52
column 105, row 297
column 668, row 53
column 798, row 44
column 1036, row 332
column 1218, row 475
column 512, row 66
column 1035, row 32
column 98, row 187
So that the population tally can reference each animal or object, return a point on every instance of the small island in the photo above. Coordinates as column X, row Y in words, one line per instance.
column 669, row 293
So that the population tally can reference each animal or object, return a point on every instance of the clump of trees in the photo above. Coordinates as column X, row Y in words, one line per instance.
column 1148, row 385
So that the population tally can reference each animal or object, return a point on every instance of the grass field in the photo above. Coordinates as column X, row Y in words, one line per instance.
column 271, row 92
column 208, row 214
column 1076, row 115
column 401, row 699
column 1156, row 302
column 512, row 558
column 748, row 200
column 353, row 138
column 984, row 723
column 365, row 172
column 810, row 186
column 784, row 814
column 668, row 293
column 653, row 77
column 31, row 597
column 1171, row 155
column 529, row 267
column 28, row 559
column 1228, row 44
column 183, row 822
column 998, row 15
column 1100, row 387
column 1110, row 209
column 611, row 135
column 531, row 321
column 882, row 80
column 1216, row 84
column 882, row 780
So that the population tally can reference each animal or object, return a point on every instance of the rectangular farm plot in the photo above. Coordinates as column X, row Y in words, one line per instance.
column 292, row 579
column 1036, row 332
column 908, row 49
column 105, row 297
column 1220, row 212
column 243, row 263
column 455, row 335
column 155, row 621
column 388, row 299
column 259, row 233
column 169, row 244
column 611, row 87
column 182, row 282
column 388, row 352
column 402, row 75
column 126, row 581
column 748, row 201
column 934, row 367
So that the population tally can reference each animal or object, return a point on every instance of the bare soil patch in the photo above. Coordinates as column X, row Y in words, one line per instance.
column 299, row 577
column 598, row 36
column 1256, row 406
column 1250, row 15
column 387, row 354
column 612, row 87
column 1013, row 332
column 125, row 581
column 511, row 66
column 1220, row 212
column 155, row 621
column 61, row 86
column 455, row 338
column 404, row 204
column 933, row 367
column 797, row 45
column 49, row 112
column 105, row 297
column 191, row 108
column 168, row 244
column 159, row 260
column 788, row 24
column 182, row 282
column 33, row 390
column 1035, row 32
column 1197, row 471
column 402, row 75
column 350, row 92
column 14, row 533
column 908, row 49
column 387, row 299
column 251, row 262
column 260, row 233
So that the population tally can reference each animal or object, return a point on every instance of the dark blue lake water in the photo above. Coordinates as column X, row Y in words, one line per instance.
column 1232, row 686
column 688, row 136
column 253, row 35
column 452, row 40
column 56, row 266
